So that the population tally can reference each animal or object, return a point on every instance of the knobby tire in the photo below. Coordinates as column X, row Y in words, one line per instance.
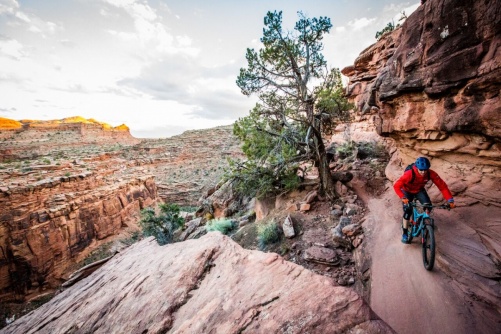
column 428, row 246
column 411, row 230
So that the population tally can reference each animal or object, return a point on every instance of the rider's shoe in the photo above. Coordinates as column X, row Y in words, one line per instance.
column 405, row 238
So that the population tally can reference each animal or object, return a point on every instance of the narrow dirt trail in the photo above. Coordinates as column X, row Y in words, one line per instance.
column 403, row 293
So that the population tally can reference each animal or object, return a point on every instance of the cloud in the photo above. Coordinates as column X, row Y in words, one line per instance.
column 149, row 31
column 8, row 6
column 211, row 92
column 23, row 17
column 159, row 131
column 11, row 48
column 67, row 43
column 19, row 18
column 8, row 110
column 361, row 23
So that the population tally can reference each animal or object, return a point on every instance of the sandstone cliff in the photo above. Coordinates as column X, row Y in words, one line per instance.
column 49, row 225
column 433, row 87
column 30, row 138
column 209, row 285
column 65, row 191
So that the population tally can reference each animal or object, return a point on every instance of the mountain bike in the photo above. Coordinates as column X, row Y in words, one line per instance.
column 423, row 224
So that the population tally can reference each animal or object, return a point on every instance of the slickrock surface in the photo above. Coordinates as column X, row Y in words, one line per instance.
column 433, row 87
column 210, row 285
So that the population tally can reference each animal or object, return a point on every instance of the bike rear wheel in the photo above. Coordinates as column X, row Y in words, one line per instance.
column 428, row 241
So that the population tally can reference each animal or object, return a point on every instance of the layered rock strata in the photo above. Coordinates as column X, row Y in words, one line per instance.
column 30, row 139
column 209, row 285
column 434, row 87
column 51, row 165
column 49, row 225
column 188, row 165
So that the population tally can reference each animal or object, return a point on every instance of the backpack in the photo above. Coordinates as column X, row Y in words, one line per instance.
column 410, row 167
column 413, row 174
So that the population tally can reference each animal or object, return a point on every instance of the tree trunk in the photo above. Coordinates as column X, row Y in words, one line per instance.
column 326, row 183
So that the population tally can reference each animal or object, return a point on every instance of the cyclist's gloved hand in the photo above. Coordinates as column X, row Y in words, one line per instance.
column 405, row 201
column 451, row 203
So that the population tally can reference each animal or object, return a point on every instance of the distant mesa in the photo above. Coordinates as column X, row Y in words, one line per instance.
column 6, row 123
column 122, row 127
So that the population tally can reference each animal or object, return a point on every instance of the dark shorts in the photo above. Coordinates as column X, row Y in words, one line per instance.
column 421, row 196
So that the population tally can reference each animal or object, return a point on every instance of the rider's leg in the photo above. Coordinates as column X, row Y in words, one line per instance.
column 424, row 199
column 407, row 215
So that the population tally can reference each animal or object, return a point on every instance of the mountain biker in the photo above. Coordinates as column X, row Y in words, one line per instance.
column 411, row 185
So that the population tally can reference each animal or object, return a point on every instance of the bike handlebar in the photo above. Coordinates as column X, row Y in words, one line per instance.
column 445, row 206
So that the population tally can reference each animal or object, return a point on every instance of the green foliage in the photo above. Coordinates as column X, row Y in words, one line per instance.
column 132, row 239
column 267, row 233
column 188, row 208
column 163, row 225
column 389, row 27
column 98, row 254
column 346, row 150
column 285, row 127
column 222, row 225
column 367, row 150
column 361, row 150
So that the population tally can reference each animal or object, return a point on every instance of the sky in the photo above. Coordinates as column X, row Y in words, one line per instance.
column 159, row 66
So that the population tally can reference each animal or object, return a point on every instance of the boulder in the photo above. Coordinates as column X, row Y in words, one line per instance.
column 211, row 285
column 321, row 255
column 288, row 227
column 352, row 230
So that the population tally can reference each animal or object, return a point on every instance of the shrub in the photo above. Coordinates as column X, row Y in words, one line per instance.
column 188, row 208
column 371, row 150
column 267, row 234
column 163, row 225
column 389, row 27
column 346, row 149
column 132, row 239
column 222, row 225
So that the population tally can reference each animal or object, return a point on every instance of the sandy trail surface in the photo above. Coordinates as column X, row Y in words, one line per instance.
column 403, row 293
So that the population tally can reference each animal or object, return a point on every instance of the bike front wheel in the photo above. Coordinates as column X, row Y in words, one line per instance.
column 428, row 241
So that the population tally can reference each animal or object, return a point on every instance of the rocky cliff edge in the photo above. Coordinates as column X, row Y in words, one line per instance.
column 209, row 285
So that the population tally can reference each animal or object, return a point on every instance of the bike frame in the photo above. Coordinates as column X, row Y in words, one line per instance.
column 418, row 218
column 423, row 224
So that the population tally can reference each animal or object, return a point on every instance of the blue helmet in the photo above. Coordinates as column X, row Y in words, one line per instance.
column 423, row 163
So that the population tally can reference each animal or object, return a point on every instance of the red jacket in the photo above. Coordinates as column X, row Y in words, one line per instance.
column 404, row 183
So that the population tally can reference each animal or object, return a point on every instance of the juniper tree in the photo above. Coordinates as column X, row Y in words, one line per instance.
column 299, row 98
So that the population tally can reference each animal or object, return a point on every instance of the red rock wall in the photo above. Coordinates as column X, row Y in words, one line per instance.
column 48, row 226
column 433, row 87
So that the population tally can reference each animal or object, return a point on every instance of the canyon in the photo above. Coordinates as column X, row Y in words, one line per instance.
column 68, row 186
column 430, row 87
